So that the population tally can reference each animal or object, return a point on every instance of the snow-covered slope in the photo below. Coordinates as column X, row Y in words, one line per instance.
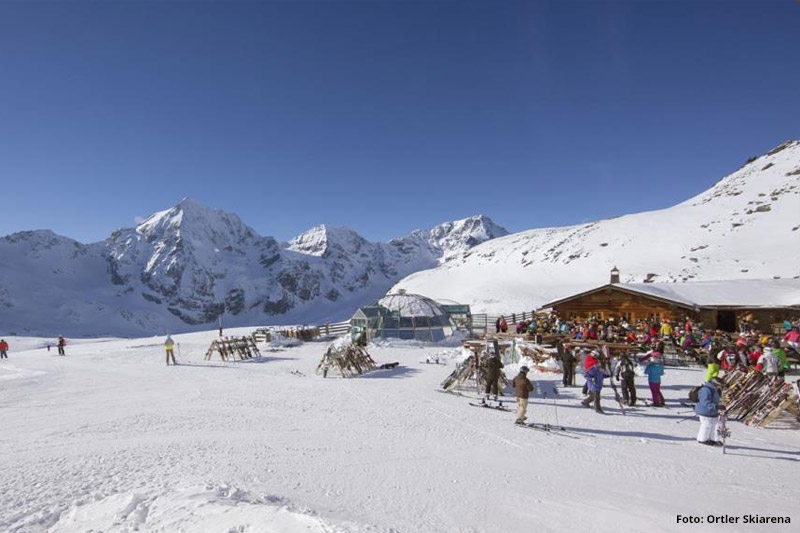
column 188, row 265
column 746, row 226
column 110, row 439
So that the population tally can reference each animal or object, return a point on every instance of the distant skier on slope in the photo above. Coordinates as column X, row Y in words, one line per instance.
column 522, row 388
column 169, row 345
column 61, row 343
column 3, row 349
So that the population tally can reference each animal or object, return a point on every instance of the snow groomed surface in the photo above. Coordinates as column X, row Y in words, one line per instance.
column 110, row 439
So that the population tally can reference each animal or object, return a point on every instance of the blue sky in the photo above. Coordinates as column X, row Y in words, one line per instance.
column 383, row 116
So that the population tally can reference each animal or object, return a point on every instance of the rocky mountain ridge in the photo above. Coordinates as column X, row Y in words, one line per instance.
column 188, row 266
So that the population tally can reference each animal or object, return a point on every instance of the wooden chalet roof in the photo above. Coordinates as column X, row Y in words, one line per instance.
column 727, row 294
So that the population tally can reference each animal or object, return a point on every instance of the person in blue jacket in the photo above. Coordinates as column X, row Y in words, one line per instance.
column 707, row 410
column 654, row 371
column 594, row 381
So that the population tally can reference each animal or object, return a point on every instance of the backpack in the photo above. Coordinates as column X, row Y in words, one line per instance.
column 694, row 394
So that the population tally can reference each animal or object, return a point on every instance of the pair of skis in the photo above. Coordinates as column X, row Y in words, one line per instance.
column 496, row 404
column 561, row 431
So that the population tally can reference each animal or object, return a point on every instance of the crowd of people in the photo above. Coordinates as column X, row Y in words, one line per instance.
column 720, row 351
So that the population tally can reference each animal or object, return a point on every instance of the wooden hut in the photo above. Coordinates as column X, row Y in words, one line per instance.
column 718, row 304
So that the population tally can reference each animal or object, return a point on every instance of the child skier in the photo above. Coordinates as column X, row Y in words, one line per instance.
column 654, row 371
column 707, row 410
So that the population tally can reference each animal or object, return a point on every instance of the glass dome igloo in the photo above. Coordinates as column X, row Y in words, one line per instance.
column 403, row 316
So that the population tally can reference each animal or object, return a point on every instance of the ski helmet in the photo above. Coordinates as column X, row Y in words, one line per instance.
column 524, row 369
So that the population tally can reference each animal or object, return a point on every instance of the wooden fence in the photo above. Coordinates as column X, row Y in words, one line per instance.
column 305, row 333
column 479, row 325
column 482, row 324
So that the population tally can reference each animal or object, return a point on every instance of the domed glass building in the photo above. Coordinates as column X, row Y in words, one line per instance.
column 407, row 316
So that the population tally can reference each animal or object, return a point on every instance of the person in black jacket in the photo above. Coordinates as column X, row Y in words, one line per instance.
column 624, row 372
column 567, row 359
column 493, row 366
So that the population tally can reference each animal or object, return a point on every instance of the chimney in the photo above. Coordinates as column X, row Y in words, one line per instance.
column 614, row 275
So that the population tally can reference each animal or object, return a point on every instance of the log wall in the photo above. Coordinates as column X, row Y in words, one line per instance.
column 617, row 304
column 609, row 303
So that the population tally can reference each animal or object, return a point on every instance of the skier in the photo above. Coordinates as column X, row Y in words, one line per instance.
column 588, row 360
column 624, row 372
column 3, row 349
column 768, row 362
column 594, row 381
column 522, row 388
column 707, row 410
column 61, row 343
column 713, row 364
column 169, row 344
column 567, row 363
column 654, row 371
column 493, row 366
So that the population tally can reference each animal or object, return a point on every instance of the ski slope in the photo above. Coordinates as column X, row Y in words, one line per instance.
column 746, row 226
column 110, row 439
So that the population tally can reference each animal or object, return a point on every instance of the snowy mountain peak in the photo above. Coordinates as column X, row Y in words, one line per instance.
column 321, row 240
column 197, row 225
column 452, row 238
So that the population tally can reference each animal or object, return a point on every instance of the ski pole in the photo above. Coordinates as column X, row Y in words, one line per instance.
column 555, row 404
column 685, row 419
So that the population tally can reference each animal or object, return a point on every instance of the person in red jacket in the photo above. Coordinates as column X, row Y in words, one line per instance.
column 589, row 361
column 729, row 359
column 755, row 355
column 3, row 349
column 792, row 338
